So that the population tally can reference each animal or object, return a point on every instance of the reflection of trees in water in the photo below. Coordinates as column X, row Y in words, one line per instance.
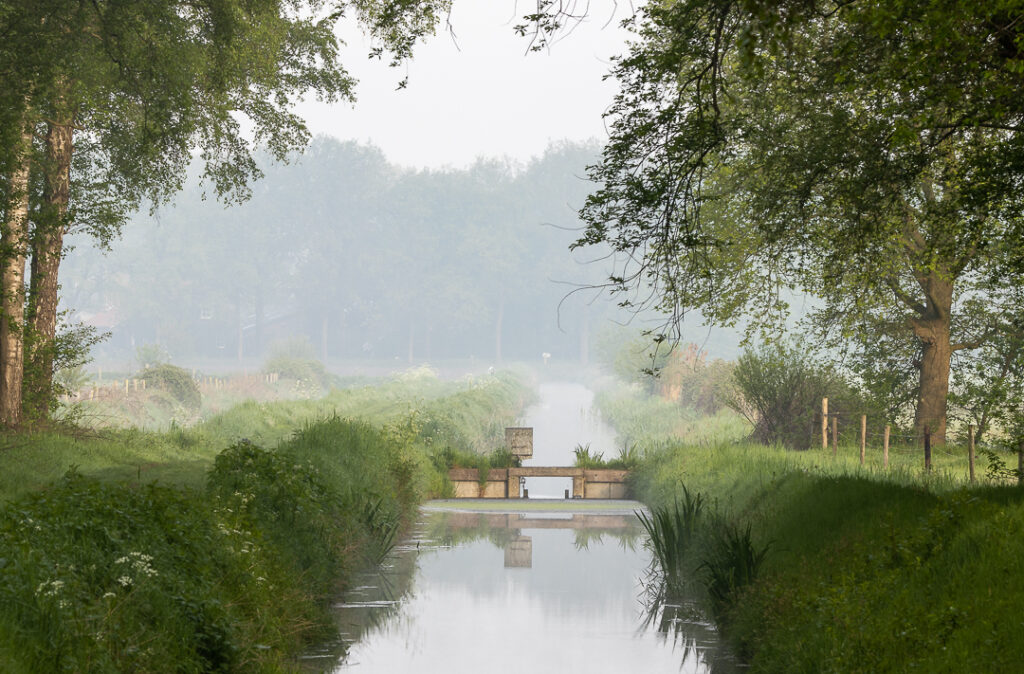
column 456, row 528
column 678, row 617
column 628, row 538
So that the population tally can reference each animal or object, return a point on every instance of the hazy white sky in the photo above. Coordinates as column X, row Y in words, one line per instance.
column 484, row 97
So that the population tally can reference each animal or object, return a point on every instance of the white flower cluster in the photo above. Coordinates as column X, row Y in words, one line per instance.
column 49, row 588
column 138, row 562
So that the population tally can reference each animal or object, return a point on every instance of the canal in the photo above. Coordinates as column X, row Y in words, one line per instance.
column 544, row 587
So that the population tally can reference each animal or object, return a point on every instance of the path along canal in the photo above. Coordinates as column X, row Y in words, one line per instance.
column 528, row 586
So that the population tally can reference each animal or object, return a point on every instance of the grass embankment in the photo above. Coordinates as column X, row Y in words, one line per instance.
column 467, row 415
column 230, row 571
column 643, row 420
column 867, row 569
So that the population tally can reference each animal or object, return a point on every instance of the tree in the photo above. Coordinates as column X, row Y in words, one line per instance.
column 866, row 152
column 137, row 87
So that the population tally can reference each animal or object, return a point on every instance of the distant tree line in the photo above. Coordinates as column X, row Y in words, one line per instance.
column 365, row 259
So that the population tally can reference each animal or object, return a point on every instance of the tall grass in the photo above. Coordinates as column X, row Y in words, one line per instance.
column 670, row 534
column 858, row 555
column 869, row 568
column 640, row 419
column 228, row 564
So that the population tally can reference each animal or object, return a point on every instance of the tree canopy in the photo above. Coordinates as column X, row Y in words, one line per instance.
column 104, row 104
column 868, row 153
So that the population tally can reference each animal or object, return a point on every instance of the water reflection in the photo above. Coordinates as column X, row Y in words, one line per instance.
column 519, row 592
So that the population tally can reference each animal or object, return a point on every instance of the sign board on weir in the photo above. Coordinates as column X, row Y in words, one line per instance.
column 519, row 442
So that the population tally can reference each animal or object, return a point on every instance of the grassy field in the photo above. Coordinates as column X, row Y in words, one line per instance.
column 214, row 553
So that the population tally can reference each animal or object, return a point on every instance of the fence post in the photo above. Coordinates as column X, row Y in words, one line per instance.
column 863, row 436
column 1020, row 462
column 835, row 435
column 885, row 447
column 824, row 423
column 927, row 449
column 970, row 450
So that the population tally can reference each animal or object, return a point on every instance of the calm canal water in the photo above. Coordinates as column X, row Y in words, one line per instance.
column 538, row 589
column 527, row 586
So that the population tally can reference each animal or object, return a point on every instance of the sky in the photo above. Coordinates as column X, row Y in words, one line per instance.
column 478, row 93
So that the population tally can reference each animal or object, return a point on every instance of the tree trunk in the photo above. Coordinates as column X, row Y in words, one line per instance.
column 933, row 330
column 14, row 236
column 47, row 251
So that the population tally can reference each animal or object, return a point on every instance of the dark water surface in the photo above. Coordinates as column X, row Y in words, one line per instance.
column 536, row 587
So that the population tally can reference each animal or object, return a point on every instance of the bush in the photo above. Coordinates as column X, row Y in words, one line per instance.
column 299, row 369
column 779, row 390
column 176, row 381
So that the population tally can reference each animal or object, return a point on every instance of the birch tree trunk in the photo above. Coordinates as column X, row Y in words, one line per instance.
column 14, row 237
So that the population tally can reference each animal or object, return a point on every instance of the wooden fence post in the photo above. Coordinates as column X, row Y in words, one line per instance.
column 824, row 423
column 863, row 436
column 835, row 435
column 970, row 450
column 1020, row 462
column 927, row 449
column 885, row 447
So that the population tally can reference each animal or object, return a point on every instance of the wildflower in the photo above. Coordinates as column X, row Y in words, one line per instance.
column 49, row 588
column 109, row 595
column 125, row 581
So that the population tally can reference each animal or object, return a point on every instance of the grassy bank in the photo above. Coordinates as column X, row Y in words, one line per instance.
column 467, row 415
column 225, row 564
column 867, row 569
column 640, row 419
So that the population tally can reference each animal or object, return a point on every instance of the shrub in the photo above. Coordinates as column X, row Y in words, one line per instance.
column 779, row 390
column 176, row 381
column 299, row 369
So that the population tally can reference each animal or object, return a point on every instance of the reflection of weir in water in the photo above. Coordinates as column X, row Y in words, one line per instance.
column 556, row 590
column 519, row 548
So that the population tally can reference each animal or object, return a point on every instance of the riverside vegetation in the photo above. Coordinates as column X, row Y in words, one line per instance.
column 165, row 548
column 813, row 563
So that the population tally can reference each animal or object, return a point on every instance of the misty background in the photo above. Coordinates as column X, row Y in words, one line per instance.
column 364, row 260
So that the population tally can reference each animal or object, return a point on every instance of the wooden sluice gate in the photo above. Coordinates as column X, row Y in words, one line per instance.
column 505, row 482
